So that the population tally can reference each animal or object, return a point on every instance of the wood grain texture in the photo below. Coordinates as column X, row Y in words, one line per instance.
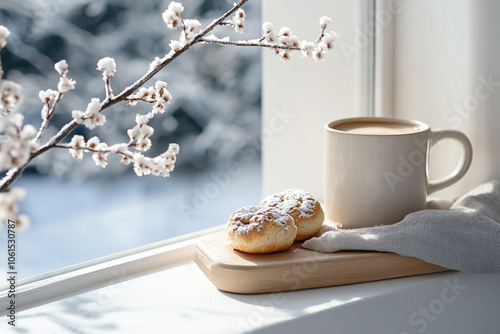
column 298, row 268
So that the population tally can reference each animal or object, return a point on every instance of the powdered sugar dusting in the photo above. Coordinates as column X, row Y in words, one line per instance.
column 295, row 202
column 250, row 218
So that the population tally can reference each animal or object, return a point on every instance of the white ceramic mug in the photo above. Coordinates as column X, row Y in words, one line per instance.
column 376, row 169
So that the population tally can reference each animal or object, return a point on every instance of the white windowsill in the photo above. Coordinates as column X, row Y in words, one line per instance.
column 158, row 289
column 58, row 284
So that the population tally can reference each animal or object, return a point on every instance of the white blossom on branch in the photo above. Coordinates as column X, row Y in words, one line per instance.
column 101, row 158
column 10, row 94
column 9, row 209
column 46, row 96
column 171, row 16
column 160, row 165
column 77, row 144
column 159, row 95
column 65, row 83
column 324, row 21
column 92, row 116
column 269, row 33
column 4, row 33
column 284, row 42
column 61, row 67
column 16, row 140
column 239, row 21
column 108, row 67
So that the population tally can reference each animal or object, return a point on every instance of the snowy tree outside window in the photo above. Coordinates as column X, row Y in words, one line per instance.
column 200, row 114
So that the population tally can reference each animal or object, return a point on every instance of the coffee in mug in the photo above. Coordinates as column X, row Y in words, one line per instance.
column 367, row 127
column 376, row 169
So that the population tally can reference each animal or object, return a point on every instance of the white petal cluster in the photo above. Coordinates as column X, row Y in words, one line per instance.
column 4, row 33
column 159, row 95
column 93, row 143
column 172, row 15
column 48, row 95
column 307, row 48
column 289, row 41
column 191, row 25
column 10, row 94
column 269, row 33
column 286, row 38
column 65, row 83
column 317, row 50
column 9, row 209
column 101, row 158
column 238, row 21
column 101, row 151
column 155, row 63
column 108, row 67
column 329, row 39
column 160, row 165
column 16, row 142
column 324, row 21
column 162, row 96
column 140, row 133
column 92, row 116
column 176, row 45
column 61, row 67
column 189, row 32
column 78, row 144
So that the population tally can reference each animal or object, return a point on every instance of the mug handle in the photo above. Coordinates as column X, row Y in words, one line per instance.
column 465, row 161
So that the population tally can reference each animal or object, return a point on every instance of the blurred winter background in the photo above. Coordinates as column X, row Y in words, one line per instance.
column 80, row 211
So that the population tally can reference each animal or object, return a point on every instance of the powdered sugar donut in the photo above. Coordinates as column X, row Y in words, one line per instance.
column 256, row 229
column 301, row 205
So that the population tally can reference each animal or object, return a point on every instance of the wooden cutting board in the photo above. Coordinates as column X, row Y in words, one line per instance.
column 298, row 268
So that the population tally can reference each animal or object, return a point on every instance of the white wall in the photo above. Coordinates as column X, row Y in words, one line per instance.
column 300, row 96
column 432, row 59
column 442, row 53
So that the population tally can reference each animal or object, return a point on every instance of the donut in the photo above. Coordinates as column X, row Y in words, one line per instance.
column 257, row 229
column 301, row 205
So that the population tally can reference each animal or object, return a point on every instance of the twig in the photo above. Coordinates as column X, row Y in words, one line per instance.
column 46, row 120
column 321, row 35
column 256, row 43
column 108, row 90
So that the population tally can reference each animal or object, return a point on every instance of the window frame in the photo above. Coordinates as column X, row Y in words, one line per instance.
column 64, row 282
column 75, row 279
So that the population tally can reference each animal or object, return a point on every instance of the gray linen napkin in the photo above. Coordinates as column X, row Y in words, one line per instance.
column 466, row 237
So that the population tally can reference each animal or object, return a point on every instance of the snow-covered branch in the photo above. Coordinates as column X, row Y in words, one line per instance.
column 19, row 144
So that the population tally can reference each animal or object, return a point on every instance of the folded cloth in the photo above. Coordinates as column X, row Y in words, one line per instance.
column 466, row 237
